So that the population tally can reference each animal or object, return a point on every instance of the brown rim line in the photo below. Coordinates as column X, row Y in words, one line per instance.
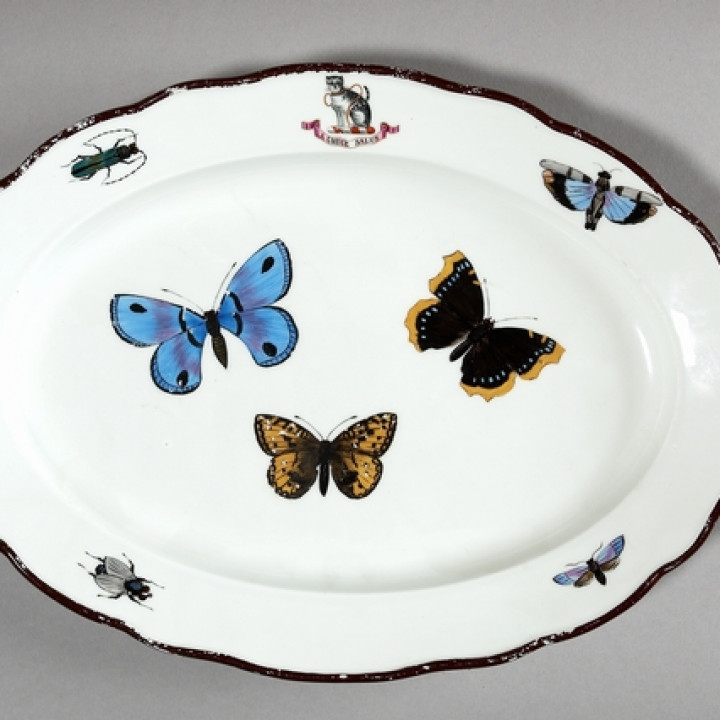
column 442, row 84
column 380, row 676
column 396, row 72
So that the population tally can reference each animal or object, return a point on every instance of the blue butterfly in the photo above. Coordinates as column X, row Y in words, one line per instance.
column 577, row 191
column 603, row 559
column 269, row 333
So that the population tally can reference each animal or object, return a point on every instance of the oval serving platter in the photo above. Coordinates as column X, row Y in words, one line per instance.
column 351, row 373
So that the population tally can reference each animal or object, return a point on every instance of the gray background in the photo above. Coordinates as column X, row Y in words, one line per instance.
column 641, row 75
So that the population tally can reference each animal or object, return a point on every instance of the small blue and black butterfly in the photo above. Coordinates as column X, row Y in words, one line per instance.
column 578, row 191
column 603, row 559
column 269, row 333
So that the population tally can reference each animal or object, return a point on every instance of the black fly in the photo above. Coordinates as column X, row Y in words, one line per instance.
column 118, row 578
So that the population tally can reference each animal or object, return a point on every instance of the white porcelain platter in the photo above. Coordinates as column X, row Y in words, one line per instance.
column 498, row 512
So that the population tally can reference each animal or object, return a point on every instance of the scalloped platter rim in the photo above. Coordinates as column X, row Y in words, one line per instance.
column 350, row 225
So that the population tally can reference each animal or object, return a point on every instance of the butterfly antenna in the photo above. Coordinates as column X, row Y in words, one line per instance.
column 575, row 564
column 317, row 432
column 185, row 300
column 486, row 297
column 607, row 171
column 224, row 284
column 517, row 317
column 309, row 424
column 342, row 422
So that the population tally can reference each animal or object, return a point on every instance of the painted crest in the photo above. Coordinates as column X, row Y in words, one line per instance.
column 352, row 124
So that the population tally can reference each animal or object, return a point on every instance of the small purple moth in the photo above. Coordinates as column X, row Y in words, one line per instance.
column 603, row 559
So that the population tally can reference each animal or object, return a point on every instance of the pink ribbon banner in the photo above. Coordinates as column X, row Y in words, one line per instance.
column 352, row 139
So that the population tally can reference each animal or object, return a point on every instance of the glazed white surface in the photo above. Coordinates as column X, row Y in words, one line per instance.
column 479, row 501
column 641, row 77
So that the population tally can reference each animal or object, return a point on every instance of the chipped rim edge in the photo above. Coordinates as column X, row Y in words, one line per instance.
column 449, row 86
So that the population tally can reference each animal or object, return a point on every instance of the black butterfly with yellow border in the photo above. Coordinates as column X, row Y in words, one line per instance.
column 299, row 458
column 492, row 356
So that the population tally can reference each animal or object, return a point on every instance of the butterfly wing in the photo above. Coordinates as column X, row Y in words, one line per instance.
column 629, row 206
column 355, row 454
column 491, row 365
column 609, row 557
column 264, row 277
column 433, row 325
column 578, row 576
column 441, row 322
column 269, row 333
column 578, row 193
column 570, row 187
column 144, row 321
column 178, row 332
column 294, row 452
column 176, row 364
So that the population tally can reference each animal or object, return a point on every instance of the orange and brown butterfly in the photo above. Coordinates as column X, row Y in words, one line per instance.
column 299, row 457
column 493, row 356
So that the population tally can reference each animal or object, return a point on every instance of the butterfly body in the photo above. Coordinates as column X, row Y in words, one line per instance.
column 493, row 357
column 480, row 333
column 299, row 458
column 602, row 561
column 217, row 341
column 597, row 570
column 575, row 190
column 322, row 462
column 245, row 311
